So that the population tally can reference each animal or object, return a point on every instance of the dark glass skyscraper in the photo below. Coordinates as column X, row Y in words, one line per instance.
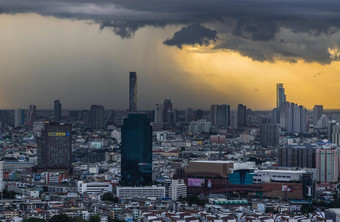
column 55, row 147
column 133, row 92
column 136, row 151
column 57, row 110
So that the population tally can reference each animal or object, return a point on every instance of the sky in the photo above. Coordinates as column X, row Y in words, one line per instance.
column 195, row 52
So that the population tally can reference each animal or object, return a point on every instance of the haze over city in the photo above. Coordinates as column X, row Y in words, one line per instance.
column 195, row 52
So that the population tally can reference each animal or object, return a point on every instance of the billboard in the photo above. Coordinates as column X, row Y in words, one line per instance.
column 192, row 182
column 58, row 134
column 286, row 188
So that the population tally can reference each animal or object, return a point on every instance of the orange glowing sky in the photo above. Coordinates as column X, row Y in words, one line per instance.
column 46, row 58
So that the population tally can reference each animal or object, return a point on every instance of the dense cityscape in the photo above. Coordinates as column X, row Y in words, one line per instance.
column 168, row 164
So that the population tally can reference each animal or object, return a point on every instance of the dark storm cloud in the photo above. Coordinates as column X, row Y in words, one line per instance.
column 192, row 35
column 260, row 29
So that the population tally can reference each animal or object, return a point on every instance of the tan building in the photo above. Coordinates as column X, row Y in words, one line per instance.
column 210, row 168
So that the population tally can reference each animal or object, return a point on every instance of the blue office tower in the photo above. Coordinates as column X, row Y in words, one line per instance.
column 136, row 151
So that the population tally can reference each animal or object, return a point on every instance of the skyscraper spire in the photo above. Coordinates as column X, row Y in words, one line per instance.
column 133, row 92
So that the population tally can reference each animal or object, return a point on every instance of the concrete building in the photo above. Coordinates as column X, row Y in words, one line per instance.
column 177, row 189
column 19, row 117
column 167, row 109
column 280, row 95
column 323, row 122
column 241, row 115
column 199, row 126
column 97, row 117
column 263, row 176
column 301, row 156
column 334, row 133
column 31, row 115
column 94, row 187
column 148, row 192
column 317, row 113
column 55, row 147
column 293, row 118
column 327, row 164
column 220, row 115
column 158, row 113
column 269, row 134
column 218, row 139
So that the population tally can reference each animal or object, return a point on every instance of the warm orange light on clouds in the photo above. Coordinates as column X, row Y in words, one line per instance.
column 251, row 82
column 44, row 58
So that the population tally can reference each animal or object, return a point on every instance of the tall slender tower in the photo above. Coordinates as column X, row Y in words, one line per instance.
column 133, row 92
column 280, row 95
column 57, row 110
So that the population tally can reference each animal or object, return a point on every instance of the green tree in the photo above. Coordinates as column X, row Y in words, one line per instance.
column 78, row 219
column 60, row 217
column 94, row 218
column 107, row 196
column 34, row 219
column 9, row 194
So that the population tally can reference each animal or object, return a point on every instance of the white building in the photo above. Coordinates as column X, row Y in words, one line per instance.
column 177, row 189
column 94, row 187
column 117, row 135
column 263, row 176
column 323, row 122
column 249, row 165
column 148, row 192
column 200, row 126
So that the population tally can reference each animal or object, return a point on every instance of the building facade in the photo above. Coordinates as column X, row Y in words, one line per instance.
column 97, row 117
column 269, row 135
column 55, row 147
column 327, row 164
column 136, row 151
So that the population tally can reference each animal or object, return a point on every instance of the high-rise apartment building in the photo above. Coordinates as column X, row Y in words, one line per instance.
column 269, row 134
column 220, row 115
column 241, row 115
column 31, row 115
column 136, row 151
column 177, row 189
column 280, row 95
column 327, row 164
column 57, row 110
column 334, row 133
column 317, row 113
column 133, row 92
column 167, row 107
column 55, row 147
column 297, row 156
column 158, row 113
column 97, row 117
column 293, row 118
column 19, row 117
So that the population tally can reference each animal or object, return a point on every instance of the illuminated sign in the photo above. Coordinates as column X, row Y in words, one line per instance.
column 195, row 182
column 58, row 134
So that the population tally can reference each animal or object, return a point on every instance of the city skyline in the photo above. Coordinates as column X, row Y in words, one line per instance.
column 85, row 49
